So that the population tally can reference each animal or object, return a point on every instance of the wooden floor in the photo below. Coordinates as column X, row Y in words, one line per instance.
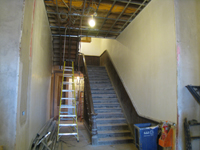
column 70, row 143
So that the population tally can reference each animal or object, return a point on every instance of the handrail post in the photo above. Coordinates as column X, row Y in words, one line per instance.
column 94, row 137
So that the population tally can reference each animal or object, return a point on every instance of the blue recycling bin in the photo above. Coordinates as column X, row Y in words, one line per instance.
column 146, row 136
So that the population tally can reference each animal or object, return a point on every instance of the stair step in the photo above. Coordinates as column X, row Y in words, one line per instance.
column 99, row 77
column 101, row 84
column 104, row 96
column 105, row 101
column 67, row 134
column 107, row 105
column 99, row 110
column 101, row 88
column 110, row 120
column 96, row 67
column 103, row 91
column 69, row 116
column 99, row 81
column 98, row 74
column 103, row 80
column 115, row 140
column 67, row 125
column 110, row 115
column 67, row 106
column 114, row 133
column 111, row 126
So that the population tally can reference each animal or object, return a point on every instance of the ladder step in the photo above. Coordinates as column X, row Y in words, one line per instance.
column 67, row 125
column 67, row 134
column 68, row 69
column 68, row 82
column 67, row 90
column 67, row 106
column 66, row 98
column 70, row 116
column 68, row 75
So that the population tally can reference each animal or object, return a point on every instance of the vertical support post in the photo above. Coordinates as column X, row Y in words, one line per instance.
column 60, row 100
column 94, row 130
column 73, row 84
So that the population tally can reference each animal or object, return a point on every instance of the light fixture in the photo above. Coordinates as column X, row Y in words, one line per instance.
column 92, row 22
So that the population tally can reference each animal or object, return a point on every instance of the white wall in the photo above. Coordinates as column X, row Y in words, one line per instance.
column 188, row 60
column 93, row 48
column 145, row 58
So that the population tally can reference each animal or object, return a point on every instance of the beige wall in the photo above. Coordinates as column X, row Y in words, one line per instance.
column 93, row 48
column 34, row 73
column 145, row 58
column 188, row 50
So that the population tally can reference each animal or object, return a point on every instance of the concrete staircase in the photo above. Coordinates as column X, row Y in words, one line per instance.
column 112, row 127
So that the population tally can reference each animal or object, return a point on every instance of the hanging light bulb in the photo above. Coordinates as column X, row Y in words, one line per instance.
column 92, row 22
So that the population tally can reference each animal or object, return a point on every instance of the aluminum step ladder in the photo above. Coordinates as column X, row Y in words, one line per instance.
column 63, row 113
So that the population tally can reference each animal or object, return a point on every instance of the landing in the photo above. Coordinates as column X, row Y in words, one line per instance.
column 70, row 143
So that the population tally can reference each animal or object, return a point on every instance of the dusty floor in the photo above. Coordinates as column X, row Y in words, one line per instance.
column 70, row 143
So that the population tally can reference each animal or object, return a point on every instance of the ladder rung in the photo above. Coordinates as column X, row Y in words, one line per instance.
column 68, row 69
column 68, row 82
column 67, row 90
column 67, row 125
column 68, row 75
column 70, row 116
column 67, row 106
column 67, row 134
column 66, row 98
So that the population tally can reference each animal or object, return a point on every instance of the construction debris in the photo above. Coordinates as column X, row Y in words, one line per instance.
column 46, row 137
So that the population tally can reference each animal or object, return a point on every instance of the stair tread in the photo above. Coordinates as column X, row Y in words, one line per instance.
column 113, row 98
column 109, row 113
column 99, row 119
column 112, row 124
column 107, row 103
column 107, row 108
column 115, row 139
column 114, row 131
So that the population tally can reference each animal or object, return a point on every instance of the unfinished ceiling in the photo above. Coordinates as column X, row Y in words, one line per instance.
column 68, row 20
column 70, row 17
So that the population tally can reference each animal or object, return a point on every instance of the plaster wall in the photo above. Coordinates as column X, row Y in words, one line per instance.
column 188, row 60
column 11, row 14
column 34, row 74
column 145, row 58
column 23, row 111
column 93, row 48
column 40, row 70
